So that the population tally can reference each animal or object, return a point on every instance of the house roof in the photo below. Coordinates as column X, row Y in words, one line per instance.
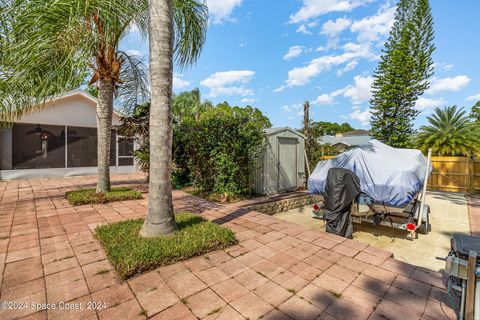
column 350, row 141
column 271, row 131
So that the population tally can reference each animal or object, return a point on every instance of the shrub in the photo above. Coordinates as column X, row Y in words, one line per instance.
column 214, row 148
column 222, row 147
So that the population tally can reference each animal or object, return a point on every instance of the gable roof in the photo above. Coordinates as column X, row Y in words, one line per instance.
column 82, row 93
column 271, row 131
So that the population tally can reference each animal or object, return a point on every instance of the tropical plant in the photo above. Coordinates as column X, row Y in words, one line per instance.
column 182, row 32
column 51, row 46
column 402, row 73
column 450, row 132
column 213, row 149
column 186, row 106
column 475, row 112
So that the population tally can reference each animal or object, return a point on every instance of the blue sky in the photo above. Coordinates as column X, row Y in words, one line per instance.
column 275, row 54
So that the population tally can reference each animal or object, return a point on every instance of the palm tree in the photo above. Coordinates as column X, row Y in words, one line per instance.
column 450, row 132
column 51, row 46
column 165, row 26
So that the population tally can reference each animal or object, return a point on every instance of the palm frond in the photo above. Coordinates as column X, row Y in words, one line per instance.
column 190, row 19
column 450, row 132
column 134, row 87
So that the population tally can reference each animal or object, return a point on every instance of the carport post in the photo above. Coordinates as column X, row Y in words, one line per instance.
column 424, row 190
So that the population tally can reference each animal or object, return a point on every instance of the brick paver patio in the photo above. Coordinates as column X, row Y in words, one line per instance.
column 279, row 270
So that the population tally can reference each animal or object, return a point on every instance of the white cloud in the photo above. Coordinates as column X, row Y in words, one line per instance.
column 358, row 92
column 178, row 82
column 292, row 108
column 293, row 52
column 229, row 83
column 361, row 116
column 448, row 84
column 314, row 8
column 333, row 28
column 442, row 66
column 248, row 100
column 373, row 27
column 423, row 104
column 304, row 27
column 133, row 52
column 300, row 76
column 348, row 67
column 324, row 99
column 361, row 91
column 221, row 10
column 475, row 97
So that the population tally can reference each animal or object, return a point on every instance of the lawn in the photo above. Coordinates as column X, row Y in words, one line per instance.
column 89, row 196
column 131, row 254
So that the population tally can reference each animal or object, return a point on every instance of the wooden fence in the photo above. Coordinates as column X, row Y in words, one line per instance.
column 453, row 174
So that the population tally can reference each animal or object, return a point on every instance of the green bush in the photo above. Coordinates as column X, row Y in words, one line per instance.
column 131, row 254
column 90, row 196
column 222, row 146
column 214, row 147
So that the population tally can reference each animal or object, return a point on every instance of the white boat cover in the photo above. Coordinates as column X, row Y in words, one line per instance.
column 388, row 175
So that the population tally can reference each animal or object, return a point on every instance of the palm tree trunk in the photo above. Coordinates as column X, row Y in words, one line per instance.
column 104, row 132
column 160, row 218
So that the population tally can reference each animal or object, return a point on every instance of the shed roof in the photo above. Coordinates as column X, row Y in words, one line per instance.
column 271, row 131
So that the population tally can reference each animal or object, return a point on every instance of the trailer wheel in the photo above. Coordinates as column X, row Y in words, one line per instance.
column 425, row 227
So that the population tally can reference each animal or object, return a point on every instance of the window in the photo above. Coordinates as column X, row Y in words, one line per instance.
column 38, row 146
column 125, row 151
column 82, row 147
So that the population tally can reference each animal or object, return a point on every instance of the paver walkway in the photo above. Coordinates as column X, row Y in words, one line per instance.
column 279, row 270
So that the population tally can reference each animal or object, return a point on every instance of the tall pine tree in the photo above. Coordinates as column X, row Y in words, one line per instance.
column 402, row 74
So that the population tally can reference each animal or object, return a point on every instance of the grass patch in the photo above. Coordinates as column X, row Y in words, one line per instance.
column 90, row 196
column 131, row 254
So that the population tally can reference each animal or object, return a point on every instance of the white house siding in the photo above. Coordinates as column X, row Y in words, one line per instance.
column 74, row 109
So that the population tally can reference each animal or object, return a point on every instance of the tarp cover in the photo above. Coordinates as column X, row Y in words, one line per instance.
column 388, row 175
column 342, row 187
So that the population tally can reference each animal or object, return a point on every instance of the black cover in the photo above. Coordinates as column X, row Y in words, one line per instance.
column 342, row 187
column 462, row 245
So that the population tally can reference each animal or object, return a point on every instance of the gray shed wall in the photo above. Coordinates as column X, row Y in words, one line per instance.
column 281, row 165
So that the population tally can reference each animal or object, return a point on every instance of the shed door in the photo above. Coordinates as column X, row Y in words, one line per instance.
column 287, row 163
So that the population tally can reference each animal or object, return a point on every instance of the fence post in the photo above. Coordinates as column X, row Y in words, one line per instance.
column 471, row 175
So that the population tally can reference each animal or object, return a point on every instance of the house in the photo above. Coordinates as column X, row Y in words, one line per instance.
column 346, row 140
column 60, row 140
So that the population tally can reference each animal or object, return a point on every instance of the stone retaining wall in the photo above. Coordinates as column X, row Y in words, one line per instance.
column 277, row 206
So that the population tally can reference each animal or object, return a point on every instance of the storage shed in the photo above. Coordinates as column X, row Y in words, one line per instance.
column 281, row 165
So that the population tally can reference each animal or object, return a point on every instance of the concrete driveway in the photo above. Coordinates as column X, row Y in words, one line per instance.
column 449, row 215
